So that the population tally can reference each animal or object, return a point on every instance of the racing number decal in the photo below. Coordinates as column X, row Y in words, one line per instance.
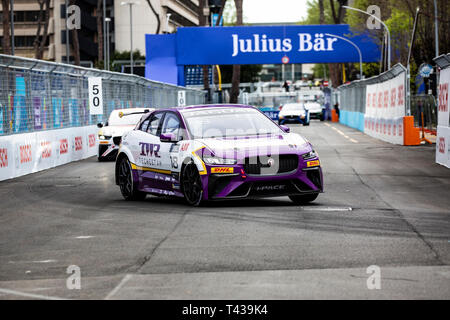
column 174, row 162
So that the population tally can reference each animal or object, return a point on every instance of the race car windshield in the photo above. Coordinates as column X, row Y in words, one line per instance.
column 229, row 122
column 125, row 120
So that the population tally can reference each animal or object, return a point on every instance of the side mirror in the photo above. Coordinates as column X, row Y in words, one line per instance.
column 100, row 125
column 168, row 137
column 285, row 128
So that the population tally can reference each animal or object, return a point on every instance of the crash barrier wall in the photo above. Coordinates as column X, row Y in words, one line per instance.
column 45, row 119
column 377, row 106
column 26, row 153
column 443, row 128
column 37, row 95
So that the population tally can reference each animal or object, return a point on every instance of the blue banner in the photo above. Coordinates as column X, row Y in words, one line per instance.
column 269, row 44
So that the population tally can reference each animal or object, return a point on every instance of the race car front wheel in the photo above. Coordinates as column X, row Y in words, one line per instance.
column 126, row 183
column 191, row 184
column 303, row 199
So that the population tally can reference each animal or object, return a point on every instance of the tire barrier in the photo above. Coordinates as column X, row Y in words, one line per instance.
column 377, row 107
column 443, row 129
column 25, row 153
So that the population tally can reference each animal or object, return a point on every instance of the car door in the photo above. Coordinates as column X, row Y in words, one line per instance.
column 148, row 152
column 171, row 124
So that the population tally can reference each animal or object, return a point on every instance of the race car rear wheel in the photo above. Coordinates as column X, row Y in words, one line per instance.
column 126, row 183
column 191, row 184
column 303, row 199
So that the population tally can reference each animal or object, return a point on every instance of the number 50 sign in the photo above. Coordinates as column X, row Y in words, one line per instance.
column 95, row 95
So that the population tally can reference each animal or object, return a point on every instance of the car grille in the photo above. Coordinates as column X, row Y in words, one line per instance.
column 117, row 140
column 282, row 163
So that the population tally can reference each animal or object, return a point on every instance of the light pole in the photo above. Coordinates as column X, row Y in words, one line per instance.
column 436, row 30
column 107, row 20
column 357, row 48
column 12, row 27
column 130, row 3
column 384, row 25
column 67, row 34
column 104, row 36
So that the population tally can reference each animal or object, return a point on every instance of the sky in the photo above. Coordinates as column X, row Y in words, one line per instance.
column 260, row 11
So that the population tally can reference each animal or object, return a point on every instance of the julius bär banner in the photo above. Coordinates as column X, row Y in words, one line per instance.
column 269, row 44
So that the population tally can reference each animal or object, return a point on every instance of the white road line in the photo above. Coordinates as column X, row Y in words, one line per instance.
column 342, row 133
column 84, row 237
column 36, row 261
column 119, row 286
column 29, row 295
column 327, row 209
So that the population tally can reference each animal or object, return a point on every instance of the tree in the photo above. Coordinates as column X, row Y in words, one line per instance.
column 6, row 25
column 100, row 30
column 321, row 12
column 158, row 21
column 43, row 21
column 234, row 94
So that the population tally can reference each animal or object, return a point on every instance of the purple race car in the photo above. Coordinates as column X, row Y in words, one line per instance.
column 216, row 152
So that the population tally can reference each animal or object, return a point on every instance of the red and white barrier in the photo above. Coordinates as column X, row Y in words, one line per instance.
column 385, row 109
column 26, row 153
column 443, row 129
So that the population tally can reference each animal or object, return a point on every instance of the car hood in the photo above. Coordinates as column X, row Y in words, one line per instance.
column 115, row 131
column 240, row 147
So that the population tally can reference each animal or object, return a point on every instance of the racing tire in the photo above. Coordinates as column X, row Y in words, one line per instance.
column 191, row 185
column 303, row 199
column 126, row 182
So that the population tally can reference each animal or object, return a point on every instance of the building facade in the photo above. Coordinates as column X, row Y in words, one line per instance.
column 165, row 17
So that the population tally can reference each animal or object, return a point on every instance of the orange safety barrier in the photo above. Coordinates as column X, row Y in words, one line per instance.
column 411, row 135
column 334, row 116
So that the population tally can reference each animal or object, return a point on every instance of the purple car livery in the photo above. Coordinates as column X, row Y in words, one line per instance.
column 216, row 152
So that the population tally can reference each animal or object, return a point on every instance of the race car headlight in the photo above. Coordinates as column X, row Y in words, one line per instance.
column 310, row 155
column 219, row 161
column 103, row 137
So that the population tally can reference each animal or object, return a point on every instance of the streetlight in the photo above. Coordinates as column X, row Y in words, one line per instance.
column 130, row 3
column 384, row 25
column 357, row 48
column 107, row 20
column 12, row 28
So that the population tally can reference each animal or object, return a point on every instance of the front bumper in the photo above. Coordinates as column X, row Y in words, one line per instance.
column 239, row 184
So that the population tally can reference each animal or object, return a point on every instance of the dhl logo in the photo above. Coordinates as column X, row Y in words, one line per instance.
column 313, row 163
column 222, row 170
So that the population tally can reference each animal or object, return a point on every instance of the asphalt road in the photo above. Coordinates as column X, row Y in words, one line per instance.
column 383, row 205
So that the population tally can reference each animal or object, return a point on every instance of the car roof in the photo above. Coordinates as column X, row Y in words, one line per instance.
column 205, row 106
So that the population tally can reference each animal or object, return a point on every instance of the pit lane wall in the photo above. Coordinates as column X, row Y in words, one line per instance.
column 377, row 107
column 25, row 153
column 443, row 129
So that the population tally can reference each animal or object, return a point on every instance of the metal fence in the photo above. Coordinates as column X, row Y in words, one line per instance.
column 425, row 103
column 39, row 95
column 352, row 96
